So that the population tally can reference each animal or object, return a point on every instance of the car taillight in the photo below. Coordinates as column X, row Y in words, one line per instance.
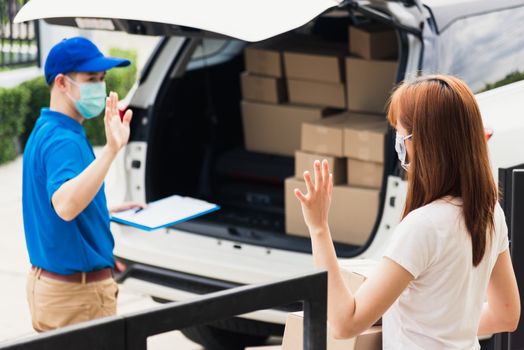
column 488, row 133
column 121, row 110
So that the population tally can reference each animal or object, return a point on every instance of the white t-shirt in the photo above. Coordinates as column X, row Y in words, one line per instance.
column 441, row 307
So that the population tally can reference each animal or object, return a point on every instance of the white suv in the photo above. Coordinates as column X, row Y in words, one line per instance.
column 187, row 135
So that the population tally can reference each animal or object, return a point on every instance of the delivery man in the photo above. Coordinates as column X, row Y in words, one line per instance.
column 66, row 218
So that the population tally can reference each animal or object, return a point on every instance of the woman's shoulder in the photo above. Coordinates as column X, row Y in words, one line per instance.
column 499, row 212
column 417, row 220
column 499, row 220
column 438, row 209
column 435, row 216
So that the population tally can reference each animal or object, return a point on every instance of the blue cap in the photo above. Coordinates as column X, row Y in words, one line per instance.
column 78, row 54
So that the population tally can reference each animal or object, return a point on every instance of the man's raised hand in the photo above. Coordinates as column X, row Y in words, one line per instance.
column 117, row 130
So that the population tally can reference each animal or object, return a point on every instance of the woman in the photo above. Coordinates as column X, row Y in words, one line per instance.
column 446, row 276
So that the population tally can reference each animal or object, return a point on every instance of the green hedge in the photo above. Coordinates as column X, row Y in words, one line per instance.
column 20, row 107
column 39, row 97
column 13, row 108
column 508, row 79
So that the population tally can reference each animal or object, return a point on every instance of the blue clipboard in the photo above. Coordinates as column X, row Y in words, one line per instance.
column 165, row 212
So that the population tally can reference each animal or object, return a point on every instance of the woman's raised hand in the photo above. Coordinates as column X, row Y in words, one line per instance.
column 316, row 202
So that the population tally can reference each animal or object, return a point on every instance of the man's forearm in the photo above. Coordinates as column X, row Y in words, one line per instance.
column 76, row 194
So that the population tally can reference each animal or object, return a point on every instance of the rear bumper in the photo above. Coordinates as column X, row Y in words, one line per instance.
column 168, row 285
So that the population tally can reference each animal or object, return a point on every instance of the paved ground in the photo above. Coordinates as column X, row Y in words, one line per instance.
column 14, row 265
column 15, row 77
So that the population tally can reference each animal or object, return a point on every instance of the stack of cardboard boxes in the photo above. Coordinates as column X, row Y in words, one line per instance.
column 353, row 142
column 273, row 107
column 288, row 91
column 353, row 145
column 315, row 75
column 371, row 68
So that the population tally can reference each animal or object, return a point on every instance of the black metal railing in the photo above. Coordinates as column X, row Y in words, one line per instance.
column 18, row 41
column 130, row 332
column 511, row 186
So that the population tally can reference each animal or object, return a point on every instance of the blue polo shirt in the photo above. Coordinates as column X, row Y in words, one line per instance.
column 57, row 151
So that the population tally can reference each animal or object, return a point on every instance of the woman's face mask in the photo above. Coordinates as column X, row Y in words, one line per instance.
column 92, row 98
column 400, row 147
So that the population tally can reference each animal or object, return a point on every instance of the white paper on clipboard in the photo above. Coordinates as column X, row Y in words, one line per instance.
column 165, row 212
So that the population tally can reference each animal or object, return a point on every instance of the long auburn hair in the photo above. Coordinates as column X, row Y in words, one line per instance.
column 450, row 156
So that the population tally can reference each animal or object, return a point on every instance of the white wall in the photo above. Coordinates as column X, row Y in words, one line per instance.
column 143, row 45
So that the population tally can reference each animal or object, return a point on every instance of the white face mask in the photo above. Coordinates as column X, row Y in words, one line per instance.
column 400, row 147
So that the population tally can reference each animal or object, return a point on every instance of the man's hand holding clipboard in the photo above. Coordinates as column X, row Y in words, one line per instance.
column 164, row 212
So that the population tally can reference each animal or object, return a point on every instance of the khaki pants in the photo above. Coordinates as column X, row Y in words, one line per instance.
column 55, row 304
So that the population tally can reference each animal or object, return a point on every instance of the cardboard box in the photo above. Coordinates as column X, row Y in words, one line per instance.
column 370, row 339
column 316, row 61
column 351, row 218
column 317, row 93
column 264, row 59
column 275, row 129
column 364, row 174
column 295, row 224
column 365, row 141
column 354, row 214
column 373, row 41
column 354, row 273
column 327, row 136
column 267, row 57
column 369, row 84
column 304, row 161
column 263, row 88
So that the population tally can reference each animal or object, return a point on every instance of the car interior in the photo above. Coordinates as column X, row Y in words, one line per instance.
column 196, row 148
